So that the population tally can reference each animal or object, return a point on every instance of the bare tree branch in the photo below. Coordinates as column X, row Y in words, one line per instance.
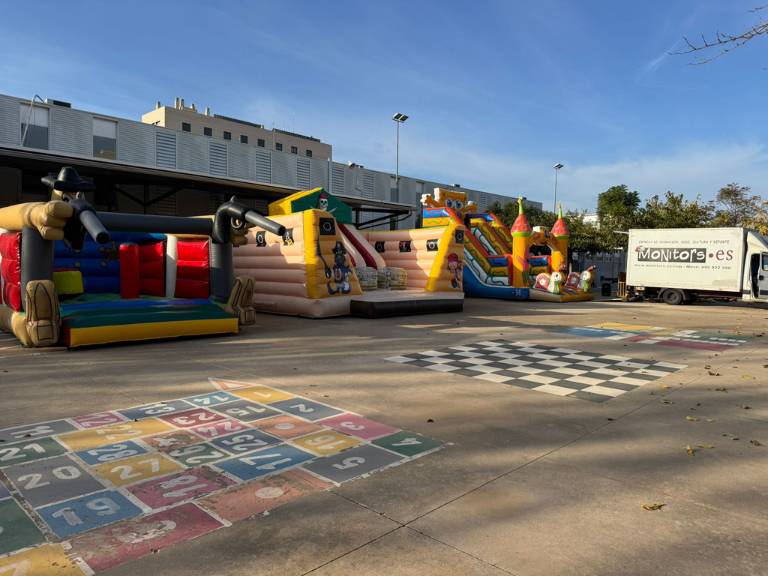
column 723, row 43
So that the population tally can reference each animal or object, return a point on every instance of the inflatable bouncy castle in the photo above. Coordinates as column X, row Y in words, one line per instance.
column 498, row 262
column 74, row 276
column 324, row 266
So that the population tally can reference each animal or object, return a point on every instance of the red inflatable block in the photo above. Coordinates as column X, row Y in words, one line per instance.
column 10, row 269
column 192, row 269
column 152, row 266
column 129, row 271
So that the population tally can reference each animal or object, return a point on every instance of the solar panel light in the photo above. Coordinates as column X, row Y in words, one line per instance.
column 399, row 117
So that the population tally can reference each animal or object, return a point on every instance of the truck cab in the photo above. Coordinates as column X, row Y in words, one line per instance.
column 756, row 268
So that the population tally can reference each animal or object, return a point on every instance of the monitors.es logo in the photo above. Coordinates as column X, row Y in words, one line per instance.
column 689, row 255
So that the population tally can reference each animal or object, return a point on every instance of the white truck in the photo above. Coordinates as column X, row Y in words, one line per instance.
column 676, row 265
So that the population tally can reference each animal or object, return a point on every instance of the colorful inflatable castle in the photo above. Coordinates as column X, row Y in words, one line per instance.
column 498, row 262
column 77, row 277
column 324, row 266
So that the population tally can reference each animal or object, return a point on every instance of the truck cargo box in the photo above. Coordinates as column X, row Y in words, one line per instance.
column 703, row 259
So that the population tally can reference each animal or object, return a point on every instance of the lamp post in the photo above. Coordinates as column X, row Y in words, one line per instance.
column 399, row 118
column 557, row 169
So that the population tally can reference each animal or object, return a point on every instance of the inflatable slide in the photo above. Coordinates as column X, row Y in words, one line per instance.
column 488, row 261
column 324, row 266
column 499, row 263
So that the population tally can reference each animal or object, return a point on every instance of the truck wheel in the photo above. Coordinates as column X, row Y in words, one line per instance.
column 673, row 297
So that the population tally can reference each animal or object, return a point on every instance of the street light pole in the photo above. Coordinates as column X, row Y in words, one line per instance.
column 557, row 169
column 399, row 118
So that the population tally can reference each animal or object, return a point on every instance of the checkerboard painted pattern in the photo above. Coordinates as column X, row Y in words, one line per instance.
column 551, row 369
column 94, row 491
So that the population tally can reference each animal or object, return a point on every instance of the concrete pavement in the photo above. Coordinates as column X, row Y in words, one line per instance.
column 528, row 483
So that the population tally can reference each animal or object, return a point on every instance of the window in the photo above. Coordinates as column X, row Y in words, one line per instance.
column 261, row 142
column 765, row 262
column 278, row 147
column 36, row 136
column 207, row 131
column 186, row 127
column 243, row 139
column 227, row 135
column 294, row 149
column 309, row 153
column 105, row 138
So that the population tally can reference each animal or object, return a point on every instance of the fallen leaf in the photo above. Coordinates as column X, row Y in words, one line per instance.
column 721, row 389
column 747, row 407
column 663, row 386
column 755, row 443
column 692, row 418
column 731, row 436
column 747, row 377
column 690, row 451
column 667, row 402
column 706, row 446
column 709, row 419
column 654, row 506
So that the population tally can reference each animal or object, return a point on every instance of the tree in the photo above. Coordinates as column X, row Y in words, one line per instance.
column 721, row 43
column 735, row 205
column 674, row 211
column 617, row 211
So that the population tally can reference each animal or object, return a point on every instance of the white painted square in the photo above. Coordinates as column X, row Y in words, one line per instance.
column 585, row 380
column 515, row 362
column 476, row 361
column 613, row 392
column 469, row 354
column 484, row 369
column 433, row 353
column 441, row 368
column 632, row 365
column 671, row 365
column 649, row 372
column 616, row 358
column 505, row 355
column 557, row 390
column 487, row 343
column 538, row 379
column 531, row 350
column 524, row 369
column 569, row 371
column 494, row 378
column 566, row 350
column 608, row 372
column 558, row 363
column 438, row 360
column 400, row 359
column 463, row 348
column 543, row 356
column 628, row 380
column 592, row 364
column 577, row 357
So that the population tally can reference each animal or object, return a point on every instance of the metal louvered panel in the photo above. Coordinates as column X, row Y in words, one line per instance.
column 165, row 141
column 302, row 173
column 71, row 131
column 10, row 122
column 192, row 152
column 318, row 175
column 284, row 169
column 136, row 143
column 368, row 188
column 337, row 178
column 217, row 158
column 483, row 204
column 263, row 165
column 239, row 162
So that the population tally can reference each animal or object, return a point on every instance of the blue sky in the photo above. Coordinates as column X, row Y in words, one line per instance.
column 498, row 91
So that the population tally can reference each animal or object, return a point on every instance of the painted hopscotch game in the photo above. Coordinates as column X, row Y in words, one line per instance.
column 81, row 495
column 641, row 334
column 551, row 369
